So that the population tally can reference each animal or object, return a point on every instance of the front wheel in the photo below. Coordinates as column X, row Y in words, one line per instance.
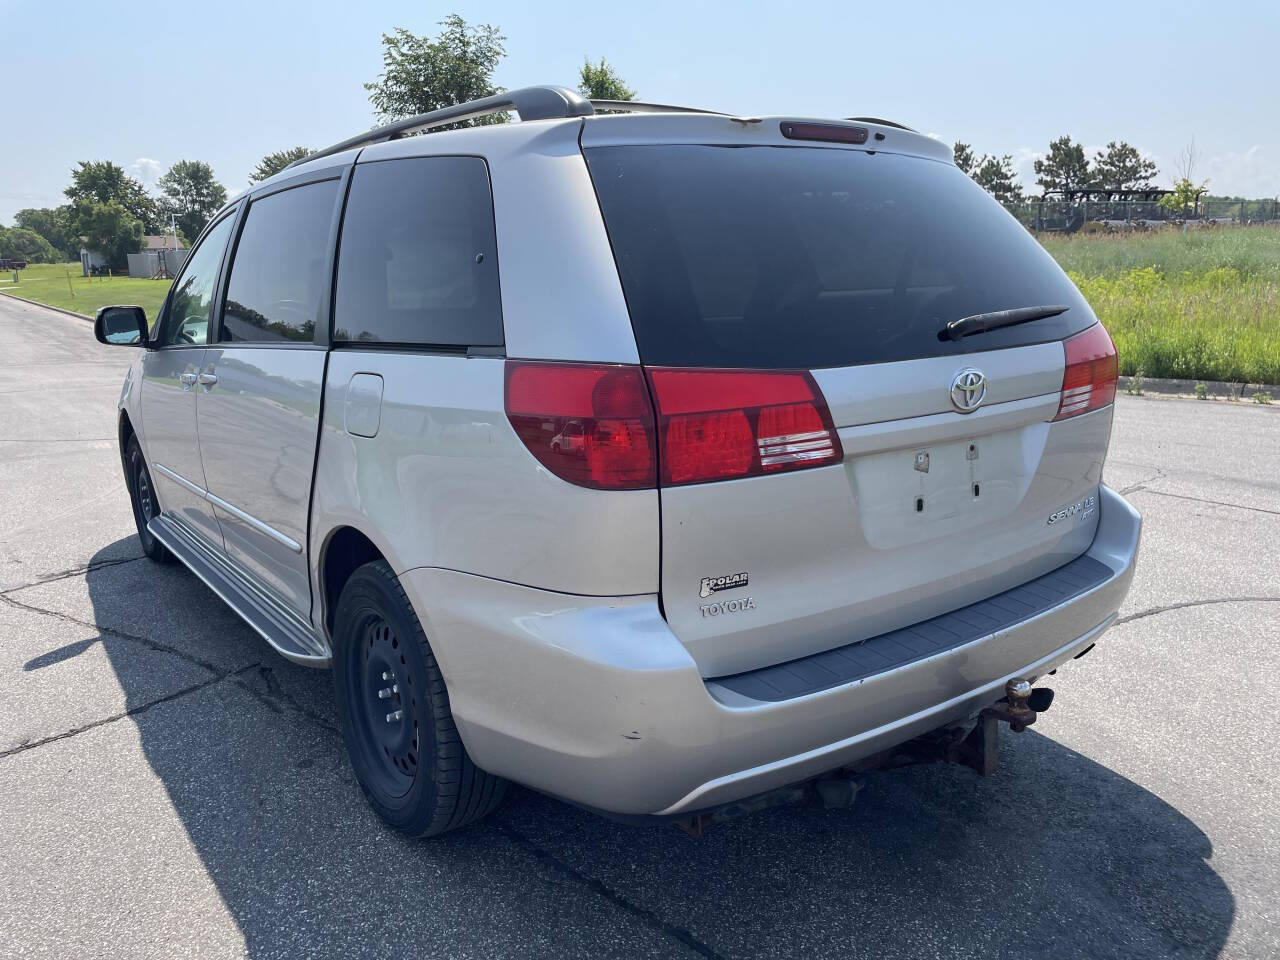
column 394, row 709
column 142, row 493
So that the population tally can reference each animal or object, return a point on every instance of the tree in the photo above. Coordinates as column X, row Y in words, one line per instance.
column 101, row 181
column 601, row 82
column 1065, row 168
column 420, row 74
column 997, row 176
column 191, row 195
column 1123, row 167
column 273, row 163
column 109, row 229
column 53, row 224
column 1186, row 192
column 19, row 243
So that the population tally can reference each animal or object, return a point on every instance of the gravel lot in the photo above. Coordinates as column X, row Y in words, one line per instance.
column 170, row 787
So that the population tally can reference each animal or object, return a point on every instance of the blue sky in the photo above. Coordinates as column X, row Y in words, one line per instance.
column 228, row 82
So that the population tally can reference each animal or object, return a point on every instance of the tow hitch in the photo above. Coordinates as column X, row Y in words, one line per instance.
column 1021, row 705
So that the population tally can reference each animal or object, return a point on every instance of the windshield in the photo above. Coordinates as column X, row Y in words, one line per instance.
column 773, row 257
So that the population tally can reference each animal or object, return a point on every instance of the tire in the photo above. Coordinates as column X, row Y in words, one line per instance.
column 142, row 494
column 394, row 709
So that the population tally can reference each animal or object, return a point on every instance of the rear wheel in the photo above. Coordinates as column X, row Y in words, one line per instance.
column 394, row 709
column 142, row 493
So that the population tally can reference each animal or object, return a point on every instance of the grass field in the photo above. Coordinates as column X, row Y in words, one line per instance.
column 48, row 283
column 1202, row 305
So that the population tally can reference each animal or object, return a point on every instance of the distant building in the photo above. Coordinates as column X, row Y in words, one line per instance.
column 90, row 260
column 161, row 257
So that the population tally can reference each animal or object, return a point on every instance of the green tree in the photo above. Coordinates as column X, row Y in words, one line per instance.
column 19, row 243
column 1123, row 167
column 1065, row 168
column 1184, row 196
column 273, row 163
column 420, row 74
column 109, row 229
column 966, row 160
column 101, row 181
column 601, row 82
column 997, row 176
column 191, row 195
column 54, row 224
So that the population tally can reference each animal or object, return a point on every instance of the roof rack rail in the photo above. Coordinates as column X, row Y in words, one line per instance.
column 640, row 106
column 530, row 103
column 883, row 123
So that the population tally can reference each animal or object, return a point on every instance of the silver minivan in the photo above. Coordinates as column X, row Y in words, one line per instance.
column 659, row 460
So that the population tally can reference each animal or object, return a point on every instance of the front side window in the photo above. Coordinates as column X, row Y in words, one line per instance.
column 186, row 322
column 418, row 260
column 278, row 274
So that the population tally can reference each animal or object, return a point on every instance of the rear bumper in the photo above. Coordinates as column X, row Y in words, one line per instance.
column 596, row 701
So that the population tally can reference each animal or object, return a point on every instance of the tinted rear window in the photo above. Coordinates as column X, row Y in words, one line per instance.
column 811, row 257
column 418, row 260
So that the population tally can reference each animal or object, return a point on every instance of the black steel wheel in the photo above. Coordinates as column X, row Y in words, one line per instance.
column 142, row 494
column 394, row 708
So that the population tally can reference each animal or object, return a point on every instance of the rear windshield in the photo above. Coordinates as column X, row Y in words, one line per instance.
column 811, row 257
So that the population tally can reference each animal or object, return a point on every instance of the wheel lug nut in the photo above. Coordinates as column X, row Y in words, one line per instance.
column 393, row 717
column 385, row 692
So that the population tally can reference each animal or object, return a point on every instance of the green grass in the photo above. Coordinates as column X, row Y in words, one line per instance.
column 1202, row 305
column 48, row 283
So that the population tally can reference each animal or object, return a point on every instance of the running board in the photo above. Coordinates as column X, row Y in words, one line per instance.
column 287, row 633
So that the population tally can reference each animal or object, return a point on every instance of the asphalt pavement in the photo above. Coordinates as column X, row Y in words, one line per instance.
column 170, row 787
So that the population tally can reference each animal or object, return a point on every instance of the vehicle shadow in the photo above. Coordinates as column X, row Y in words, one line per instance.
column 1054, row 856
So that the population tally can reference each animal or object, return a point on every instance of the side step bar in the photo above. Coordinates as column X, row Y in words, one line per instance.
column 291, row 636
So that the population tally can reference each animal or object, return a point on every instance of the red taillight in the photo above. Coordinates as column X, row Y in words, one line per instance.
column 1089, row 380
column 724, row 424
column 590, row 424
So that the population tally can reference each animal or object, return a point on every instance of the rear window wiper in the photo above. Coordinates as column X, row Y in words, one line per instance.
column 982, row 322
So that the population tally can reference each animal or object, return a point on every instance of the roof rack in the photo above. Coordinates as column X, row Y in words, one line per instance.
column 639, row 106
column 530, row 103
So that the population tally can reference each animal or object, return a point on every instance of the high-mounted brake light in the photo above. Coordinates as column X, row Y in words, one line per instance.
column 590, row 424
column 1089, row 379
column 829, row 132
column 725, row 424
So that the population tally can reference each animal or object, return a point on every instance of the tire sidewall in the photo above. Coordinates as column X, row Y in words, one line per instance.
column 136, row 465
column 369, row 594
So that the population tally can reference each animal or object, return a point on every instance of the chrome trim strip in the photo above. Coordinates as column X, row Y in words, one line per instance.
column 794, row 437
column 235, row 511
column 773, row 448
column 796, row 457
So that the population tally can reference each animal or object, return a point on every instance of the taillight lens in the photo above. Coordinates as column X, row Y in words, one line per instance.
column 589, row 424
column 725, row 424
column 1089, row 380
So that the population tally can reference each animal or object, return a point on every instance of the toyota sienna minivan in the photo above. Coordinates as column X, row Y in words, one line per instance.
column 657, row 460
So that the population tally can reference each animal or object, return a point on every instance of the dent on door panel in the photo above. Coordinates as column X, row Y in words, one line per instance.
column 258, row 425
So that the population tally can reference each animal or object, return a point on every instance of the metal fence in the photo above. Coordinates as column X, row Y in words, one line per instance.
column 1060, row 216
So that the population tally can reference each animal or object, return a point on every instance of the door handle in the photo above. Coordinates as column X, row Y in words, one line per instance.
column 207, row 379
column 188, row 380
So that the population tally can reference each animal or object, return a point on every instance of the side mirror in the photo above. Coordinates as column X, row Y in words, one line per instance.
column 121, row 326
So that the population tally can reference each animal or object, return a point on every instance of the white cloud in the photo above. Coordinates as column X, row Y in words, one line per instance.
column 146, row 170
column 1253, row 173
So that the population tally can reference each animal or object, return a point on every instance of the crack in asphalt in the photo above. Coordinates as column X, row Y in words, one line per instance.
column 72, row 572
column 1141, row 484
column 104, row 632
column 1165, row 608
column 1216, row 503
column 131, row 712
column 643, row 914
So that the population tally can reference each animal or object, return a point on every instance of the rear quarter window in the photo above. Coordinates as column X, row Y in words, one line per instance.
column 776, row 257
column 418, row 259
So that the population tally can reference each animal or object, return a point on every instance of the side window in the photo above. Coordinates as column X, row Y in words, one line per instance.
column 278, row 273
column 186, row 322
column 418, row 260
